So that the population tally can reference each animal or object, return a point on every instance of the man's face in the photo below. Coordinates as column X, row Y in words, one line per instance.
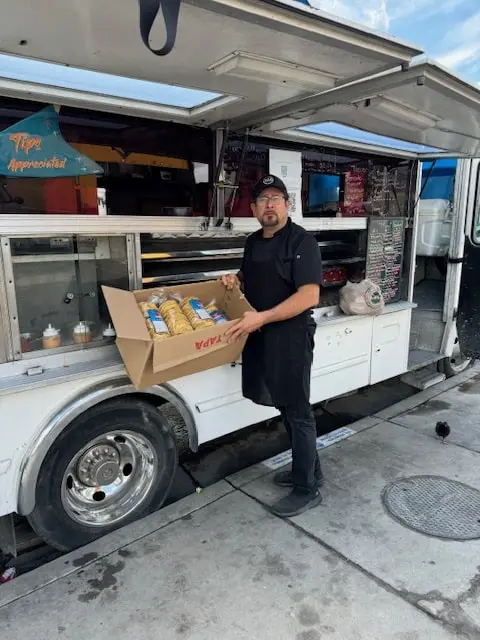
column 270, row 208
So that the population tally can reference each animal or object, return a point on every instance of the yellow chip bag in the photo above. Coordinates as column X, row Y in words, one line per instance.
column 196, row 313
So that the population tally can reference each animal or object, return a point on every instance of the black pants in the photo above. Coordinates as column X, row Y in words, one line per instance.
column 300, row 424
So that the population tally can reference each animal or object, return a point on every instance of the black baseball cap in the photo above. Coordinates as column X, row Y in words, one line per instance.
column 269, row 182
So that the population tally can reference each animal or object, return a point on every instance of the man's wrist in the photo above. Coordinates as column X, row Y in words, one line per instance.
column 267, row 316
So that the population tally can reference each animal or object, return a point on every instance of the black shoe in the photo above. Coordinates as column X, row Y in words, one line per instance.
column 284, row 479
column 296, row 503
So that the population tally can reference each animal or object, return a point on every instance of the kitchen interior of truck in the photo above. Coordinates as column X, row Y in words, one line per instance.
column 165, row 172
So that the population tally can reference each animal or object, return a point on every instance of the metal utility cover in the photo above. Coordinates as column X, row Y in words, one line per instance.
column 435, row 506
column 104, row 36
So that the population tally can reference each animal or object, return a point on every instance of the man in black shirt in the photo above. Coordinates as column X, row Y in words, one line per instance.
column 280, row 276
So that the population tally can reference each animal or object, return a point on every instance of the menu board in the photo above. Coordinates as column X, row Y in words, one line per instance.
column 377, row 191
column 312, row 165
column 354, row 194
column 386, row 238
column 398, row 189
column 387, row 191
column 255, row 155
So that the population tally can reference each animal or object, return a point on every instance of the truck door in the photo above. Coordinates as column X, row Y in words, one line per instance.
column 468, row 320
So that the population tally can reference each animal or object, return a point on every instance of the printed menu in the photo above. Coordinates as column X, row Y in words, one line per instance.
column 287, row 165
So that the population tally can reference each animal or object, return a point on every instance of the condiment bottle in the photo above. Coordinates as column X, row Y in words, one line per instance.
column 109, row 332
column 51, row 338
column 25, row 341
column 82, row 333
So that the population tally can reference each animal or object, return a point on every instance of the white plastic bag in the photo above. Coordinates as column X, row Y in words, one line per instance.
column 361, row 299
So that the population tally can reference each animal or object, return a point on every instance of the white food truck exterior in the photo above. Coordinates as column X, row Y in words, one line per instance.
column 82, row 452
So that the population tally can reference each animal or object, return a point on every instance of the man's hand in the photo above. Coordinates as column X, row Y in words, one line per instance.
column 230, row 281
column 250, row 321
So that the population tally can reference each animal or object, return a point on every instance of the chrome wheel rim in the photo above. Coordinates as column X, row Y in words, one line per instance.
column 109, row 478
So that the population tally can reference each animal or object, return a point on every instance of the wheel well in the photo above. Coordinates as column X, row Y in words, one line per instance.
column 95, row 395
column 154, row 400
column 171, row 413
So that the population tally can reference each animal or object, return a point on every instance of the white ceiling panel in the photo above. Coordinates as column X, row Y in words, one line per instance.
column 262, row 52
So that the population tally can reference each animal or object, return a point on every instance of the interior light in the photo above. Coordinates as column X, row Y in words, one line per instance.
column 396, row 113
column 261, row 69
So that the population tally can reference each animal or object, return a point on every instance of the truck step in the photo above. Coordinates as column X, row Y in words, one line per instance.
column 423, row 378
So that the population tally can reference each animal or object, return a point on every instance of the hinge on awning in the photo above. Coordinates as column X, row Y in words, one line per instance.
column 35, row 370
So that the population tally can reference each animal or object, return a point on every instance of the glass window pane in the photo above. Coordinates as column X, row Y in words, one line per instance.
column 58, row 288
column 102, row 261
column 44, row 271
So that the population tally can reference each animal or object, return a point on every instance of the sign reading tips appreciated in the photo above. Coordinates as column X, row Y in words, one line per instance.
column 35, row 148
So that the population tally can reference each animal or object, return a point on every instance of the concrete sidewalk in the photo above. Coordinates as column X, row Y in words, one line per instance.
column 219, row 566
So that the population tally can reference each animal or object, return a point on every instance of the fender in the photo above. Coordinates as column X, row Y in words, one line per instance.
column 76, row 406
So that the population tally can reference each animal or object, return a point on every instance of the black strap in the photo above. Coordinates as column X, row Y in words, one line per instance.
column 149, row 11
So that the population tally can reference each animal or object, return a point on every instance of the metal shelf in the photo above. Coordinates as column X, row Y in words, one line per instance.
column 205, row 254
column 24, row 225
column 332, row 243
column 182, row 277
column 212, row 254
column 331, row 263
column 59, row 257
column 247, row 225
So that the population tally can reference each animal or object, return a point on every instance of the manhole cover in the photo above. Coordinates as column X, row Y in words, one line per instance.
column 435, row 506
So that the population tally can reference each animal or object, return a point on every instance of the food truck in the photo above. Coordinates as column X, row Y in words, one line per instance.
column 161, row 197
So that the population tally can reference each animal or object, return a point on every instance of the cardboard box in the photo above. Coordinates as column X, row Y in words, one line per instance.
column 148, row 362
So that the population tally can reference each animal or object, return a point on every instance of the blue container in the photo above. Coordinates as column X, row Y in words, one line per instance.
column 441, row 180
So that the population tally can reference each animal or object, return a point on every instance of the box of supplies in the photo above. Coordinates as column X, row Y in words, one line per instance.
column 165, row 334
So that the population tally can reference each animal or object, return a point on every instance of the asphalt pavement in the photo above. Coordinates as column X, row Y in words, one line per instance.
column 219, row 565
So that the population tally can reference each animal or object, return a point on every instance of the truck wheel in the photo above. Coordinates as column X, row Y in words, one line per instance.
column 113, row 464
column 177, row 423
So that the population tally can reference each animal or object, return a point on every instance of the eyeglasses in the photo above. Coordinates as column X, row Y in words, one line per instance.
column 262, row 201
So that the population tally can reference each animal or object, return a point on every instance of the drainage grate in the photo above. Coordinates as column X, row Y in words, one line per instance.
column 435, row 506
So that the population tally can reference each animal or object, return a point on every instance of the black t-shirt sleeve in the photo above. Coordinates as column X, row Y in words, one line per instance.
column 307, row 263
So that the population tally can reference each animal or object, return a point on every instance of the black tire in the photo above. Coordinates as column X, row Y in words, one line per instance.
column 180, row 430
column 50, row 520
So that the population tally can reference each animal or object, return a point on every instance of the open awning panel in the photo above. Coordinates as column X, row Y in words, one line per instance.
column 253, row 53
column 425, row 105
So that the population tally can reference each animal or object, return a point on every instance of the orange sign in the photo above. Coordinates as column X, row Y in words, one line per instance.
column 24, row 142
